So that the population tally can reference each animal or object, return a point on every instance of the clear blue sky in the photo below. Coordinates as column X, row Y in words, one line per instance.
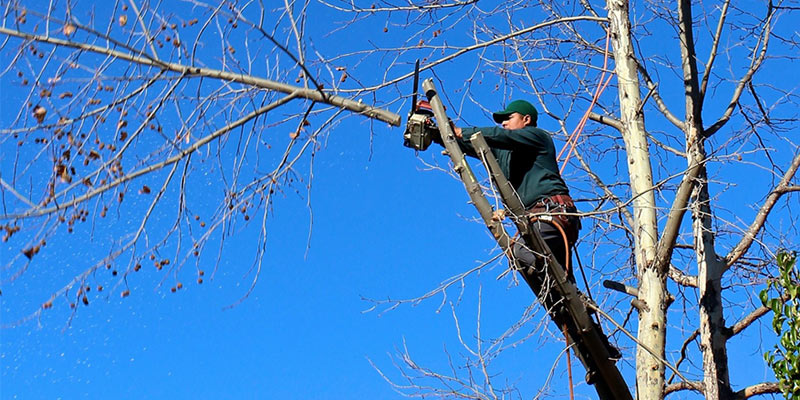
column 384, row 226
column 302, row 333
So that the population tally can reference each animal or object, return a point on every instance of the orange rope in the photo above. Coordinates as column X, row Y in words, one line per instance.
column 563, row 235
column 566, row 336
column 603, row 82
column 569, row 366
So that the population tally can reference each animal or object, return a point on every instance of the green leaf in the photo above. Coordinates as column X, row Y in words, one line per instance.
column 763, row 296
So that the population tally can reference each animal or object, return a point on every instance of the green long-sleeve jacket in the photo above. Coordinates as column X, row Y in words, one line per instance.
column 527, row 157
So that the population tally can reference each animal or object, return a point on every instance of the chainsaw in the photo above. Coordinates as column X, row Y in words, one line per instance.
column 421, row 126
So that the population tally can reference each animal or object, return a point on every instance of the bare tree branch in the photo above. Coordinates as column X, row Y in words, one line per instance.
column 761, row 217
column 712, row 54
column 747, row 320
column 679, row 386
column 681, row 278
column 189, row 70
column 661, row 105
column 172, row 160
column 759, row 389
column 755, row 64
column 487, row 43
column 603, row 119
column 419, row 8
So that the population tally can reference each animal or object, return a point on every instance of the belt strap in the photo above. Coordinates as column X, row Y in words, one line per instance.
column 563, row 199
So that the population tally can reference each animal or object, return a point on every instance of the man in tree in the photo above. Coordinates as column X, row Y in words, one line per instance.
column 527, row 157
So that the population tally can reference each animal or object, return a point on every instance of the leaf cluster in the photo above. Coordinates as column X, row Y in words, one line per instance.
column 784, row 359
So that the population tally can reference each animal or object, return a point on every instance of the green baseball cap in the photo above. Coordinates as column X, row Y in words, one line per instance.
column 517, row 106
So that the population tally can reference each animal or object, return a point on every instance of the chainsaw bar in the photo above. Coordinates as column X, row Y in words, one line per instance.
column 416, row 88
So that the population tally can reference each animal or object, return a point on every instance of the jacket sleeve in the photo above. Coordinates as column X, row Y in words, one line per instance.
column 464, row 144
column 499, row 138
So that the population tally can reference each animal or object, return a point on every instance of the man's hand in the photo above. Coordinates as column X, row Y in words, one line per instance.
column 456, row 131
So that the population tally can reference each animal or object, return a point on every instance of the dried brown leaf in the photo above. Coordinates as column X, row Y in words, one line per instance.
column 39, row 113
column 31, row 251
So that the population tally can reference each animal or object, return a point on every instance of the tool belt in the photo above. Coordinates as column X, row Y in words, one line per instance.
column 555, row 200
column 554, row 206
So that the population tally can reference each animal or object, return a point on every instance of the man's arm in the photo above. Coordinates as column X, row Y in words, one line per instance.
column 499, row 138
column 465, row 145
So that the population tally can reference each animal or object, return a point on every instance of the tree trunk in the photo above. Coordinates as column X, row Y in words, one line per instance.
column 709, row 267
column 652, row 280
column 709, row 274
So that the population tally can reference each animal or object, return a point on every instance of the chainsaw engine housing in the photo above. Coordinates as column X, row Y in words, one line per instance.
column 418, row 133
column 420, row 127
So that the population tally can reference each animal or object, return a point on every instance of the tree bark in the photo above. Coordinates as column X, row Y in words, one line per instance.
column 652, row 280
column 713, row 339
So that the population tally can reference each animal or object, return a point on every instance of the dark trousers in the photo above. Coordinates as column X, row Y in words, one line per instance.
column 533, row 267
column 555, row 241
